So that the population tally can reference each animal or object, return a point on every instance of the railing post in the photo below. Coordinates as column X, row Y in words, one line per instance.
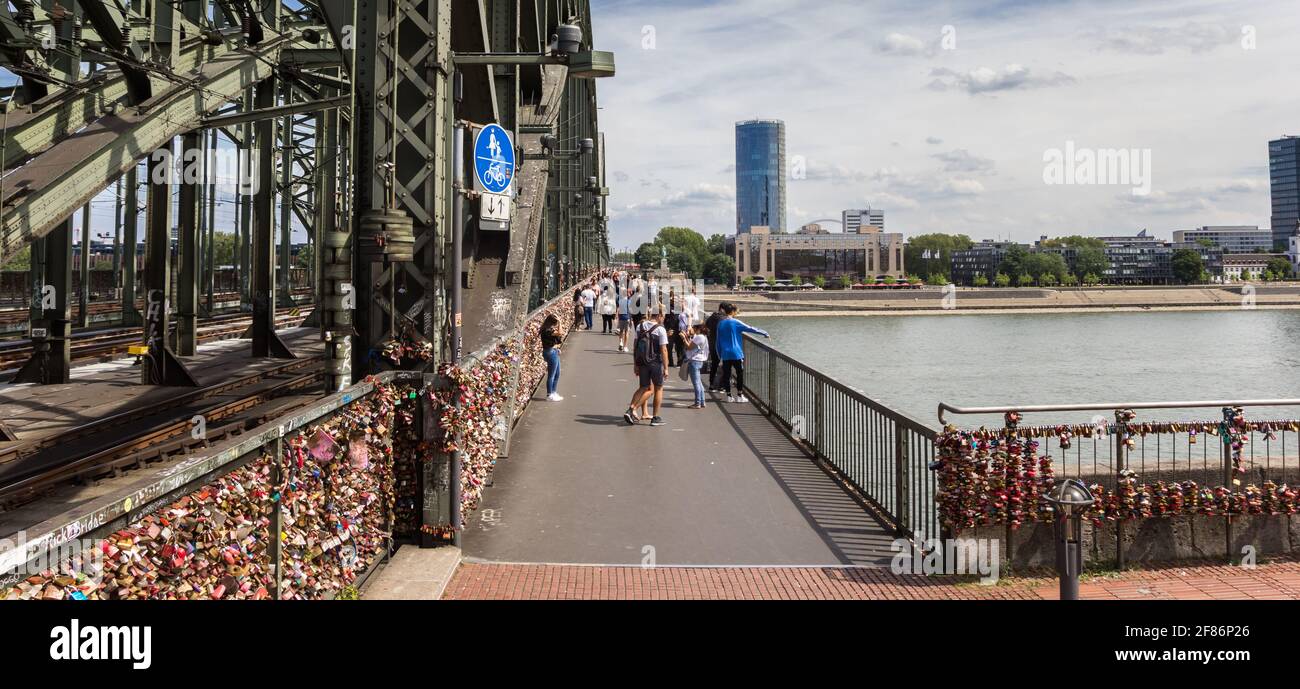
column 1225, row 458
column 277, row 525
column 770, row 361
column 1121, row 464
column 900, row 480
column 819, row 417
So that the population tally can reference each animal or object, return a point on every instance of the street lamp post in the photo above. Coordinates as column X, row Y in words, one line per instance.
column 1070, row 498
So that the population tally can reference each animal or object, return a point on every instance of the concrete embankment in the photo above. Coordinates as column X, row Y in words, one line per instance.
column 934, row 300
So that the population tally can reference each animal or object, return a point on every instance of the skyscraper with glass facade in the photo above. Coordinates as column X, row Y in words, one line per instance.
column 760, row 175
column 1284, row 176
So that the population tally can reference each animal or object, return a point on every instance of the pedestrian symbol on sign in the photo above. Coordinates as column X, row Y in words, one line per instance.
column 494, row 159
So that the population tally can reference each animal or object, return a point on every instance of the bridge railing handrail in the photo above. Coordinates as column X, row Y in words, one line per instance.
column 881, row 454
column 854, row 393
column 945, row 408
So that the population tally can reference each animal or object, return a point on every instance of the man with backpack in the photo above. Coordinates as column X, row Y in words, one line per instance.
column 650, row 363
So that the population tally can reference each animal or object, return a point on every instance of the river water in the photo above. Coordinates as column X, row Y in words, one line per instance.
column 911, row 363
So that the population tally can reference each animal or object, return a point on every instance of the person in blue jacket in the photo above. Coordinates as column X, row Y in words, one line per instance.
column 731, row 353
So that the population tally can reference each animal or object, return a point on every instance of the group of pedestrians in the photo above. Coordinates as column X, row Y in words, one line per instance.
column 662, row 330
column 712, row 347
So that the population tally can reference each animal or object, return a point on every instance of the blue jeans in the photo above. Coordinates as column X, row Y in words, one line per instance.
column 552, row 369
column 586, row 313
column 695, row 367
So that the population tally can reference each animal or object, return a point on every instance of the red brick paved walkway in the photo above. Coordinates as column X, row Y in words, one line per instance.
column 475, row 581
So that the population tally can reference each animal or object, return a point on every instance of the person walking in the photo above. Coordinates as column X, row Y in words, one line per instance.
column 624, row 319
column 608, row 308
column 588, row 298
column 692, row 308
column 650, row 364
column 711, row 326
column 697, row 348
column 673, row 325
column 732, row 352
column 551, row 341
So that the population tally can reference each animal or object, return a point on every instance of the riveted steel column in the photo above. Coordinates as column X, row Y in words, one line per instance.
column 130, row 242
column 187, row 282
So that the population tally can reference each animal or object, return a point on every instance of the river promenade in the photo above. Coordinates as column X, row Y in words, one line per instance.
column 937, row 300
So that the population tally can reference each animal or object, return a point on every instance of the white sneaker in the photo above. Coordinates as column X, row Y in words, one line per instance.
column 555, row 397
column 730, row 398
column 742, row 399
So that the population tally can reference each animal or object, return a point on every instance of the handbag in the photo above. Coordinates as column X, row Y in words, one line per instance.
column 684, row 371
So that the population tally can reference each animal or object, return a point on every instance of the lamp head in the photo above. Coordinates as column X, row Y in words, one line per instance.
column 1070, row 497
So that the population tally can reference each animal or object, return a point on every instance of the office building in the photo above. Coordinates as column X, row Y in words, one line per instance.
column 860, row 220
column 760, row 175
column 981, row 259
column 771, row 257
column 1284, row 178
column 1233, row 239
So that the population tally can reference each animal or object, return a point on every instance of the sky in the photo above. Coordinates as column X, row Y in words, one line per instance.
column 945, row 114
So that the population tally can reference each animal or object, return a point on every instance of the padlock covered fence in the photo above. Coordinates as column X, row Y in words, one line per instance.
column 1136, row 469
column 482, row 397
column 300, row 508
column 305, row 506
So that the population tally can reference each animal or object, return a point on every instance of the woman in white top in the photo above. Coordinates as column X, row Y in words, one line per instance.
column 697, row 352
column 608, row 307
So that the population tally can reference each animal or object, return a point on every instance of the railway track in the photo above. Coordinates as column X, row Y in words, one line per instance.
column 153, row 433
column 104, row 345
column 16, row 312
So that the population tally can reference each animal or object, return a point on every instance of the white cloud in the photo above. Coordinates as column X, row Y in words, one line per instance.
column 989, row 80
column 902, row 44
column 849, row 80
column 1154, row 40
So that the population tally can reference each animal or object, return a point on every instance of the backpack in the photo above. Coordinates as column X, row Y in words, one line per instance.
column 645, row 351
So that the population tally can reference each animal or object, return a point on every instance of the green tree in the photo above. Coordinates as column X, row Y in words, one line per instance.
column 1070, row 280
column 717, row 244
column 1012, row 262
column 20, row 261
column 720, row 269
column 981, row 281
column 889, row 280
column 1187, row 265
column 940, row 247
column 224, row 245
column 647, row 255
column 1090, row 279
column 1280, row 267
column 846, row 282
column 682, row 260
column 1002, row 280
column 1090, row 259
column 747, row 281
column 306, row 256
column 1040, row 264
column 1048, row 280
column 797, row 281
column 1024, row 280
column 937, row 279
column 819, row 282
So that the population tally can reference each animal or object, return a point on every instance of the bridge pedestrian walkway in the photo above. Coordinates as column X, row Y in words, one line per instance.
column 714, row 487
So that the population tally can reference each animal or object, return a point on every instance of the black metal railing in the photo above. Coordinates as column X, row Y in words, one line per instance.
column 884, row 455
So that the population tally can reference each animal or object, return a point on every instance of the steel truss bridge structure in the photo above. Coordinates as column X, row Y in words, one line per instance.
column 348, row 120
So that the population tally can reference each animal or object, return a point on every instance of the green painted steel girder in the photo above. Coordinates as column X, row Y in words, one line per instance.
column 73, row 171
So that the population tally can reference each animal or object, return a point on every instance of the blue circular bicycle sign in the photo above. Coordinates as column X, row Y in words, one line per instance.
column 494, row 159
